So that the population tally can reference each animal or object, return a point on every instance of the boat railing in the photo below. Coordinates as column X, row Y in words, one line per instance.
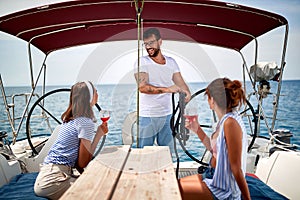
column 11, row 106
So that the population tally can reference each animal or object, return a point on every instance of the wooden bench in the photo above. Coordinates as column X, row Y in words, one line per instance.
column 120, row 172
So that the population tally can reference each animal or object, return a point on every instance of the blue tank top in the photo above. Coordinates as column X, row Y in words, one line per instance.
column 223, row 184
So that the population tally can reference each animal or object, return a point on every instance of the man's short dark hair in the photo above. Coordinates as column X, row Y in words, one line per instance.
column 152, row 31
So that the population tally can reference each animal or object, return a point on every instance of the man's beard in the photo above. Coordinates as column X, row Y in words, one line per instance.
column 156, row 51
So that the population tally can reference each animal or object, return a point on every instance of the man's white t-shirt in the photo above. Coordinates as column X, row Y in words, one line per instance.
column 157, row 105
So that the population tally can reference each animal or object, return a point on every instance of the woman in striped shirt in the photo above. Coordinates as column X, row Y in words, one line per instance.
column 75, row 143
column 225, row 177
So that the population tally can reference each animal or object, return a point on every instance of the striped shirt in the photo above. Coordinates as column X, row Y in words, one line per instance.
column 64, row 151
column 223, row 184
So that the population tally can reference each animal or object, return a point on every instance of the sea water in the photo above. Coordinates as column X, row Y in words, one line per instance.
column 121, row 100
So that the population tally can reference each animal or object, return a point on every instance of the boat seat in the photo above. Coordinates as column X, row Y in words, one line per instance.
column 20, row 187
column 17, row 185
column 8, row 169
column 260, row 190
column 33, row 163
column 281, row 172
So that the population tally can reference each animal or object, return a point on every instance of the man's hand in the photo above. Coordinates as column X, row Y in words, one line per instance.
column 187, row 96
column 174, row 89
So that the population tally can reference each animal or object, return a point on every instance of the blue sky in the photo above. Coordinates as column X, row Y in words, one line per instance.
column 14, row 59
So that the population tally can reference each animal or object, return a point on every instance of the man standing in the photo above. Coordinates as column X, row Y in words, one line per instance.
column 158, row 78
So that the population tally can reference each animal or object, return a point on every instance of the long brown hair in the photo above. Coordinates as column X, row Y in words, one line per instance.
column 79, row 104
column 226, row 93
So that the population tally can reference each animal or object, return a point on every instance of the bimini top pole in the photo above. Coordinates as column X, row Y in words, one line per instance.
column 139, row 5
column 280, row 75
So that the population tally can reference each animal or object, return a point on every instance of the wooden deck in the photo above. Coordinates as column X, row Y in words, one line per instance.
column 120, row 172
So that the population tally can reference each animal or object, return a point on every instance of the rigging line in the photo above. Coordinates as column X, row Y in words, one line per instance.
column 10, row 118
column 31, row 94
column 34, row 84
column 172, row 122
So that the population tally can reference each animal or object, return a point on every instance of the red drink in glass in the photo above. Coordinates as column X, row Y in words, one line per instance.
column 104, row 115
column 104, row 119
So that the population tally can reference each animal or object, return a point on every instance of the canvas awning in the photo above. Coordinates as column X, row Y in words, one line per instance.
column 73, row 23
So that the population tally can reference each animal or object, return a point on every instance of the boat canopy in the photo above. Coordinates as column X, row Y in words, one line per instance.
column 67, row 24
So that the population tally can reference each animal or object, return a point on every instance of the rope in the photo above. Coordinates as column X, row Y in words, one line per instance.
column 174, row 127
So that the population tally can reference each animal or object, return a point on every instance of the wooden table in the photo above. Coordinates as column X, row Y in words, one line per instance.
column 121, row 172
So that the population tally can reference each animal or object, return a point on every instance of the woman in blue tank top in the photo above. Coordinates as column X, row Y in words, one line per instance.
column 228, row 145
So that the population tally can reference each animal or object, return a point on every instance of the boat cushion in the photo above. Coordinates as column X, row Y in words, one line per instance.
column 20, row 187
column 261, row 191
